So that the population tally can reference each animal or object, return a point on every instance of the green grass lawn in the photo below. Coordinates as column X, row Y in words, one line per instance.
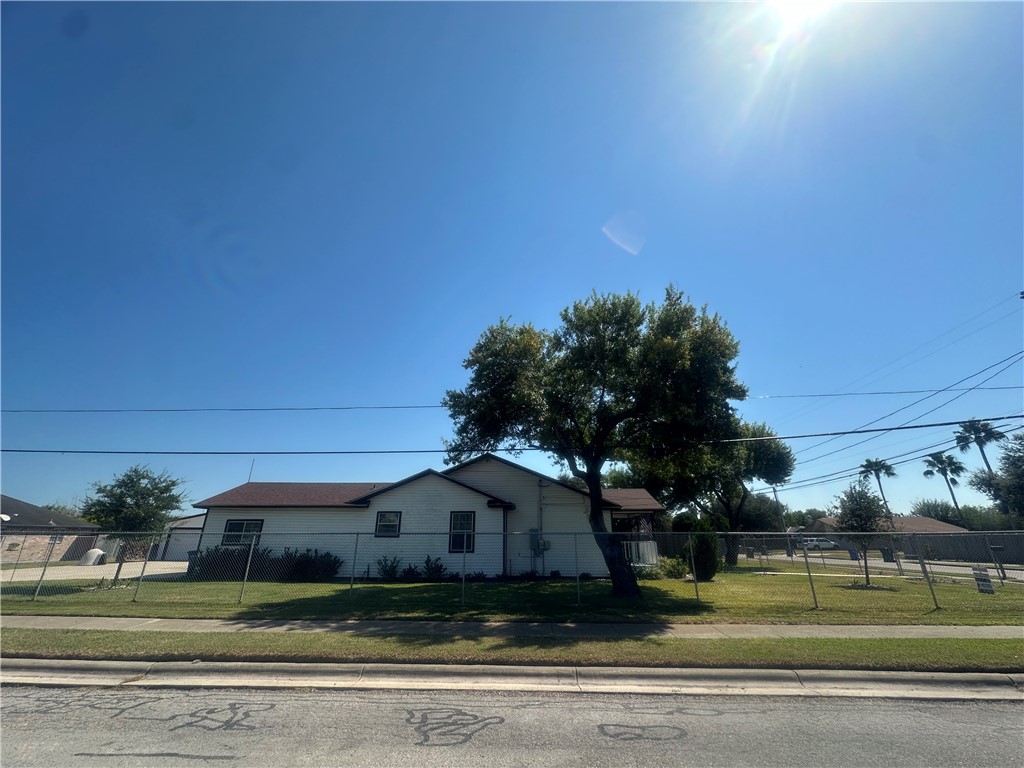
column 945, row 655
column 739, row 597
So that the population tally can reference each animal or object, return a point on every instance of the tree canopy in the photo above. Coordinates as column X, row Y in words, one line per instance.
column 978, row 433
column 616, row 376
column 876, row 468
column 1006, row 485
column 862, row 512
column 137, row 500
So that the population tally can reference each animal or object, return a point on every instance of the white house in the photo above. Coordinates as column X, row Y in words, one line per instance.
column 183, row 535
column 488, row 515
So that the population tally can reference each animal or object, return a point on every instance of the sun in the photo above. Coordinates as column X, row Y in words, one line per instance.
column 797, row 16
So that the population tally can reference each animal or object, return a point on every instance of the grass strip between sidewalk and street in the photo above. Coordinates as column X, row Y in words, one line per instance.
column 744, row 597
column 926, row 655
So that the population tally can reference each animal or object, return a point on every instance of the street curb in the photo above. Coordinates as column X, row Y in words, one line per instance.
column 560, row 679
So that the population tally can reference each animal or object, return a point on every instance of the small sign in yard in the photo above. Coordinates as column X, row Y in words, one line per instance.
column 981, row 578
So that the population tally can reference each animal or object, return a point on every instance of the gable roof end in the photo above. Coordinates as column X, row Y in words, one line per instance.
column 492, row 501
column 623, row 499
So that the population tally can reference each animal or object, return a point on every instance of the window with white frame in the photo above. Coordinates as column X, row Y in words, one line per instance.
column 460, row 537
column 239, row 533
column 388, row 524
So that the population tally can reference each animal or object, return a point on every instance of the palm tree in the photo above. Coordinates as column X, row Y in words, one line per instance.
column 979, row 433
column 876, row 468
column 950, row 467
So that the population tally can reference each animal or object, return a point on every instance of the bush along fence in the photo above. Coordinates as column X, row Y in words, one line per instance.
column 179, row 565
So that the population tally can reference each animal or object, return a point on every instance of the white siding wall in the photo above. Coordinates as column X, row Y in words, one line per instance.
column 541, row 504
column 426, row 505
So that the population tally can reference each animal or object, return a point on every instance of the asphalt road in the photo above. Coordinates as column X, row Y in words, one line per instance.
column 116, row 727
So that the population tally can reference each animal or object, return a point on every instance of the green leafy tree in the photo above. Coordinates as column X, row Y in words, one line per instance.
column 1005, row 486
column 936, row 509
column 760, row 514
column 950, row 468
column 971, row 517
column 64, row 509
column 616, row 374
column 805, row 517
column 876, row 468
column 980, row 434
column 862, row 512
column 137, row 500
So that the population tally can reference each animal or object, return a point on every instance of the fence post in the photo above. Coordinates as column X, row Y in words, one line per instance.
column 576, row 565
column 924, row 570
column 352, row 576
column 1000, row 570
column 49, row 552
column 463, row 602
column 248, row 562
column 21, row 549
column 693, row 565
column 138, row 585
column 810, row 579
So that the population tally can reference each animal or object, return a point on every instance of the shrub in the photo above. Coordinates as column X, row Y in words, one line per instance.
column 228, row 564
column 433, row 569
column 311, row 565
column 648, row 572
column 477, row 576
column 703, row 548
column 387, row 568
column 674, row 567
column 411, row 573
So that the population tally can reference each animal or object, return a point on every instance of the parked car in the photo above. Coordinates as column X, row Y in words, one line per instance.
column 816, row 543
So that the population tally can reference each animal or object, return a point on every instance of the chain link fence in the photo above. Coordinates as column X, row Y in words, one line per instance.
column 190, row 568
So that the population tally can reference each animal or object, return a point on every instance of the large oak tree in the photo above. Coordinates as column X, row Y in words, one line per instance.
column 616, row 376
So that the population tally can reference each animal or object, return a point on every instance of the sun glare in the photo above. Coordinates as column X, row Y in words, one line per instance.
column 797, row 16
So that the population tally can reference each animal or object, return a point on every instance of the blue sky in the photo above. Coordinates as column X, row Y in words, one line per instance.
column 265, row 205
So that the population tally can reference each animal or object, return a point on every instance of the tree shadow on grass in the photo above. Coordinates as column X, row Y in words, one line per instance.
column 520, row 602
column 866, row 587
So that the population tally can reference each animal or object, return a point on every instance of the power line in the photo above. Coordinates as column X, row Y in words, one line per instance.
column 493, row 450
column 919, row 400
column 810, row 408
column 919, row 416
column 844, row 474
column 888, row 392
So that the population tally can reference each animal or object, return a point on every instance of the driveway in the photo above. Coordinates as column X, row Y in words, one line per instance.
column 67, row 571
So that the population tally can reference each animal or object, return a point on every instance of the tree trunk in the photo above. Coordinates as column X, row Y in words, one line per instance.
column 984, row 458
column 624, row 582
column 735, row 518
column 885, row 501
column 867, row 576
column 957, row 506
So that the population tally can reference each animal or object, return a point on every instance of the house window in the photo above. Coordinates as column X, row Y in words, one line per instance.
column 388, row 523
column 460, row 537
column 238, row 533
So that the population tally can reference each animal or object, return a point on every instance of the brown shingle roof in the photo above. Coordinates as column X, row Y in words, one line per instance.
column 291, row 495
column 632, row 499
column 25, row 516
column 908, row 524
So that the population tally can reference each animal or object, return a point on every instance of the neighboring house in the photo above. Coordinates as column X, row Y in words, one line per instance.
column 27, row 532
column 487, row 515
column 183, row 535
column 901, row 524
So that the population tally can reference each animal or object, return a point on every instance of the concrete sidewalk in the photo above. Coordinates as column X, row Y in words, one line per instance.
column 516, row 629
column 555, row 679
